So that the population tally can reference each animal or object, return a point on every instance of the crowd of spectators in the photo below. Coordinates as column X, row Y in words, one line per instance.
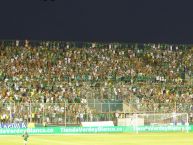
column 58, row 72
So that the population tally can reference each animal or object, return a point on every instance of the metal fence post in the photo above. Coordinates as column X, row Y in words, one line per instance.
column 10, row 112
column 43, row 113
column 101, row 107
column 30, row 112
column 94, row 103
column 109, row 107
column 65, row 107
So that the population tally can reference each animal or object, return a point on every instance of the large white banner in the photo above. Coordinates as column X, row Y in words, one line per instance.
column 98, row 123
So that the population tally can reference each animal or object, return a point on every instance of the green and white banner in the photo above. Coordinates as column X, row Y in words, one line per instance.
column 82, row 130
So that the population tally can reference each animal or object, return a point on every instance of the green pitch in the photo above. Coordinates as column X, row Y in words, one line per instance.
column 104, row 139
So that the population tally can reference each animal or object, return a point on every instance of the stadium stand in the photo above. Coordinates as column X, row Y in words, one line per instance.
column 49, row 74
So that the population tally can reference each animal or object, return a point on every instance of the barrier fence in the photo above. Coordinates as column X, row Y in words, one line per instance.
column 73, row 113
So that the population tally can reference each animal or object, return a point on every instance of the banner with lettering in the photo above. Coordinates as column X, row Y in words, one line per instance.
column 84, row 130
column 13, row 125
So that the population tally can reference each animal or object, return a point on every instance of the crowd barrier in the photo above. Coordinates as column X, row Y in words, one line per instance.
column 84, row 130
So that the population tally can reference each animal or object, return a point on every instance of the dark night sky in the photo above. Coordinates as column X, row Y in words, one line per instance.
column 166, row 21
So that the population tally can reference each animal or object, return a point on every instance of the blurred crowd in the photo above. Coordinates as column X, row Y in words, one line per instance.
column 59, row 72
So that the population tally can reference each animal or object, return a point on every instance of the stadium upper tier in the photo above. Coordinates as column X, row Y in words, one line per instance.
column 46, row 73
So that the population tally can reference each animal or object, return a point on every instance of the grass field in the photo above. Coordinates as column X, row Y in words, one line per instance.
column 104, row 139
